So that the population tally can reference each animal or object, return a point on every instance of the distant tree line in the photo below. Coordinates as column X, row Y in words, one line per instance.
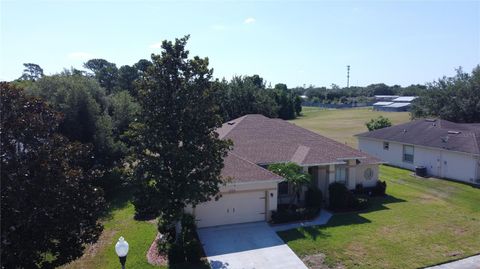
column 355, row 94
column 249, row 95
column 454, row 98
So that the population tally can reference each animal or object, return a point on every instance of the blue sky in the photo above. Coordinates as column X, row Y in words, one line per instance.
column 293, row 42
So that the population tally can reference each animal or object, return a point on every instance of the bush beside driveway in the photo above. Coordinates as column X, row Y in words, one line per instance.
column 420, row 223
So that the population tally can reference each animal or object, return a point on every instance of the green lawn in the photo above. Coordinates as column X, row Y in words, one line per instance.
column 342, row 124
column 422, row 222
column 139, row 235
column 120, row 222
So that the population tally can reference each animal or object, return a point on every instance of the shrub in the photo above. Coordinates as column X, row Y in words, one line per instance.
column 380, row 188
column 358, row 202
column 289, row 215
column 167, row 229
column 193, row 250
column 146, row 205
column 188, row 248
column 176, row 254
column 342, row 199
column 163, row 245
column 378, row 123
column 338, row 196
column 359, row 189
column 313, row 197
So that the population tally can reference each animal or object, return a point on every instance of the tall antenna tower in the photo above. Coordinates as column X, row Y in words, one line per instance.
column 348, row 76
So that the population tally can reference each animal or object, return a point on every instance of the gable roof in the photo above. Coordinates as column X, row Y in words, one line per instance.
column 262, row 140
column 237, row 169
column 435, row 133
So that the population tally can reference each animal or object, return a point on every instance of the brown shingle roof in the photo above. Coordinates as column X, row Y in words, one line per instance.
column 262, row 140
column 443, row 134
column 237, row 169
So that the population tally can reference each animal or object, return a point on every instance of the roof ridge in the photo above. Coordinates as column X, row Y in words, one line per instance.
column 240, row 119
column 300, row 154
column 248, row 161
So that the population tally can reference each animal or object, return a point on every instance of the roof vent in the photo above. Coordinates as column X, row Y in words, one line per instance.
column 404, row 130
column 444, row 139
column 231, row 123
column 454, row 132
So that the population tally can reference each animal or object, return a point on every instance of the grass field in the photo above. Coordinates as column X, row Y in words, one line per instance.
column 422, row 222
column 342, row 124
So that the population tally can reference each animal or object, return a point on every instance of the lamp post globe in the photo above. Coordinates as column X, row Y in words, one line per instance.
column 121, row 248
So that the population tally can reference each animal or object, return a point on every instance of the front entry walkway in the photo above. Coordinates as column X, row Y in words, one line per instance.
column 247, row 246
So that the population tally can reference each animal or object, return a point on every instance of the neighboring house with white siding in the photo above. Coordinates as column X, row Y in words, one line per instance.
column 251, row 192
column 447, row 149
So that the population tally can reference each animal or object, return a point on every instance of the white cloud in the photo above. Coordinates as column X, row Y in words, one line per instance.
column 80, row 55
column 156, row 45
column 249, row 20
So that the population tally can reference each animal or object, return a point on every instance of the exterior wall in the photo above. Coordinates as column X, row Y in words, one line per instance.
column 360, row 175
column 478, row 168
column 351, row 174
column 439, row 163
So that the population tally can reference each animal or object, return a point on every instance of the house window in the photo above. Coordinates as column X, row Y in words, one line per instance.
column 386, row 145
column 408, row 154
column 283, row 188
column 340, row 173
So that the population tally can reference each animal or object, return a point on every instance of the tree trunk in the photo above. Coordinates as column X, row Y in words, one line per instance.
column 292, row 200
column 178, row 231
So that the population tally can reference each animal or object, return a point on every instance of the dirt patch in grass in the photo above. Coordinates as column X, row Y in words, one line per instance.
column 455, row 253
column 103, row 241
column 317, row 261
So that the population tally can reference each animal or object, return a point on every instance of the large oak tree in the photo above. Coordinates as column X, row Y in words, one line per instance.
column 178, row 155
column 49, row 206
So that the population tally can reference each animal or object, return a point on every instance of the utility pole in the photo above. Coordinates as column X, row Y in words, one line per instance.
column 348, row 76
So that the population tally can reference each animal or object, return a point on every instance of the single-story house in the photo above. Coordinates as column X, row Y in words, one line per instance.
column 447, row 149
column 251, row 192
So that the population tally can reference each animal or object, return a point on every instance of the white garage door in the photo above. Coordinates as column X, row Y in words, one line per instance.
column 232, row 208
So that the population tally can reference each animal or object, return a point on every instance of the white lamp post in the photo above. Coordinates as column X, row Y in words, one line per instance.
column 122, row 250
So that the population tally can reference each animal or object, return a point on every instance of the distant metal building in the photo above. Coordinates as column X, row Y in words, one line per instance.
column 395, row 107
column 394, row 103
column 404, row 99
column 378, row 105
column 385, row 98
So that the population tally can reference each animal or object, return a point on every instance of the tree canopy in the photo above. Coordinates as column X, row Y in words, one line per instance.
column 455, row 98
column 49, row 204
column 378, row 123
column 31, row 72
column 293, row 174
column 177, row 155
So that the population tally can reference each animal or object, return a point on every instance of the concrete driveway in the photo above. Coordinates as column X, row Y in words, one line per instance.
column 246, row 246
